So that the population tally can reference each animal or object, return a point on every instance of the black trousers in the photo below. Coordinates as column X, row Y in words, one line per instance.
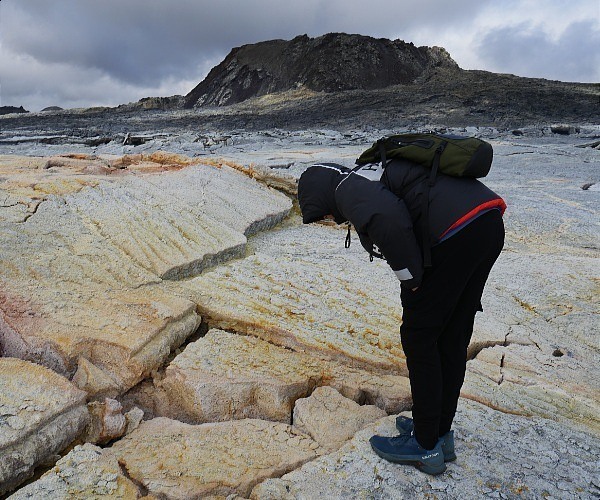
column 437, row 322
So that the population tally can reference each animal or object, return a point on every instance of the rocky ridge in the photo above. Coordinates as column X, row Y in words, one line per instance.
column 329, row 63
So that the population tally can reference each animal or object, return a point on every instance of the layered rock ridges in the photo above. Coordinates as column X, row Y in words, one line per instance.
column 84, row 259
column 329, row 63
column 309, row 297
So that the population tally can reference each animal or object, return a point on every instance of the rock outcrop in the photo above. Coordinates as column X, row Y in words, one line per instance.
column 83, row 259
column 41, row 413
column 329, row 63
column 5, row 110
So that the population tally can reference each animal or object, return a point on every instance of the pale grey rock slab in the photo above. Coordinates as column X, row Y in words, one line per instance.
column 165, row 458
column 499, row 456
column 225, row 376
column 41, row 413
column 523, row 380
column 153, row 231
column 546, row 308
column 540, row 299
column 301, row 290
column 177, row 223
column 547, row 210
column 221, row 194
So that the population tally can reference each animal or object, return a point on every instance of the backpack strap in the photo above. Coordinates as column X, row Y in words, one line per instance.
column 382, row 155
column 425, row 207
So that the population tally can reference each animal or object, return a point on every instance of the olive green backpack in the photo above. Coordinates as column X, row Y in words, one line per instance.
column 449, row 154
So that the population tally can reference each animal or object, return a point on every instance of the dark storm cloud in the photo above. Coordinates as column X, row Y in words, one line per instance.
column 144, row 41
column 526, row 51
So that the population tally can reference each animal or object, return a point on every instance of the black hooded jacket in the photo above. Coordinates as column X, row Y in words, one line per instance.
column 385, row 207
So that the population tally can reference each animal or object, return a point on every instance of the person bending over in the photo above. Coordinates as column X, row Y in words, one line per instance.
column 460, row 233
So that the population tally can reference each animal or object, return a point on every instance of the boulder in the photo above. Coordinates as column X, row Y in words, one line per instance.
column 331, row 419
column 499, row 456
column 107, row 421
column 563, row 129
column 225, row 376
column 41, row 413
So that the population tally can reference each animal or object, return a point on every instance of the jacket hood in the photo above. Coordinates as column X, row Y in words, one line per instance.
column 316, row 192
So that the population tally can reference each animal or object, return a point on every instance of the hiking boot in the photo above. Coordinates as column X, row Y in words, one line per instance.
column 406, row 450
column 405, row 426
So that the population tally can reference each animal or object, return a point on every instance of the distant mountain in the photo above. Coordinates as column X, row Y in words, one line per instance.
column 335, row 81
column 5, row 110
column 330, row 63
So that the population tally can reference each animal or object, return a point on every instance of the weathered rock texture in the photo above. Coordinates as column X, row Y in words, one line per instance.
column 86, row 472
column 331, row 419
column 547, row 362
column 536, row 348
column 329, row 63
column 167, row 458
column 83, row 258
column 495, row 460
column 107, row 421
column 41, row 413
column 302, row 315
column 309, row 296
column 226, row 376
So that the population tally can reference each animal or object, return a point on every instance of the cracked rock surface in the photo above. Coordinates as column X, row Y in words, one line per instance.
column 176, row 460
column 226, row 376
column 82, row 288
column 189, row 288
column 307, row 294
column 41, row 413
column 496, row 460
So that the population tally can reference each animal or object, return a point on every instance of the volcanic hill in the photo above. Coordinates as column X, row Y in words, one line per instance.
column 329, row 63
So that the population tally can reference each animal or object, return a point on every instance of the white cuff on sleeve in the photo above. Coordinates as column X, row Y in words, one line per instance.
column 403, row 274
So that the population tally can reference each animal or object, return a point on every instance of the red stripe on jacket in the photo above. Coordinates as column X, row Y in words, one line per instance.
column 497, row 203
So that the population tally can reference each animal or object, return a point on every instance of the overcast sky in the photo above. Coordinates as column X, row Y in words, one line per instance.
column 80, row 53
